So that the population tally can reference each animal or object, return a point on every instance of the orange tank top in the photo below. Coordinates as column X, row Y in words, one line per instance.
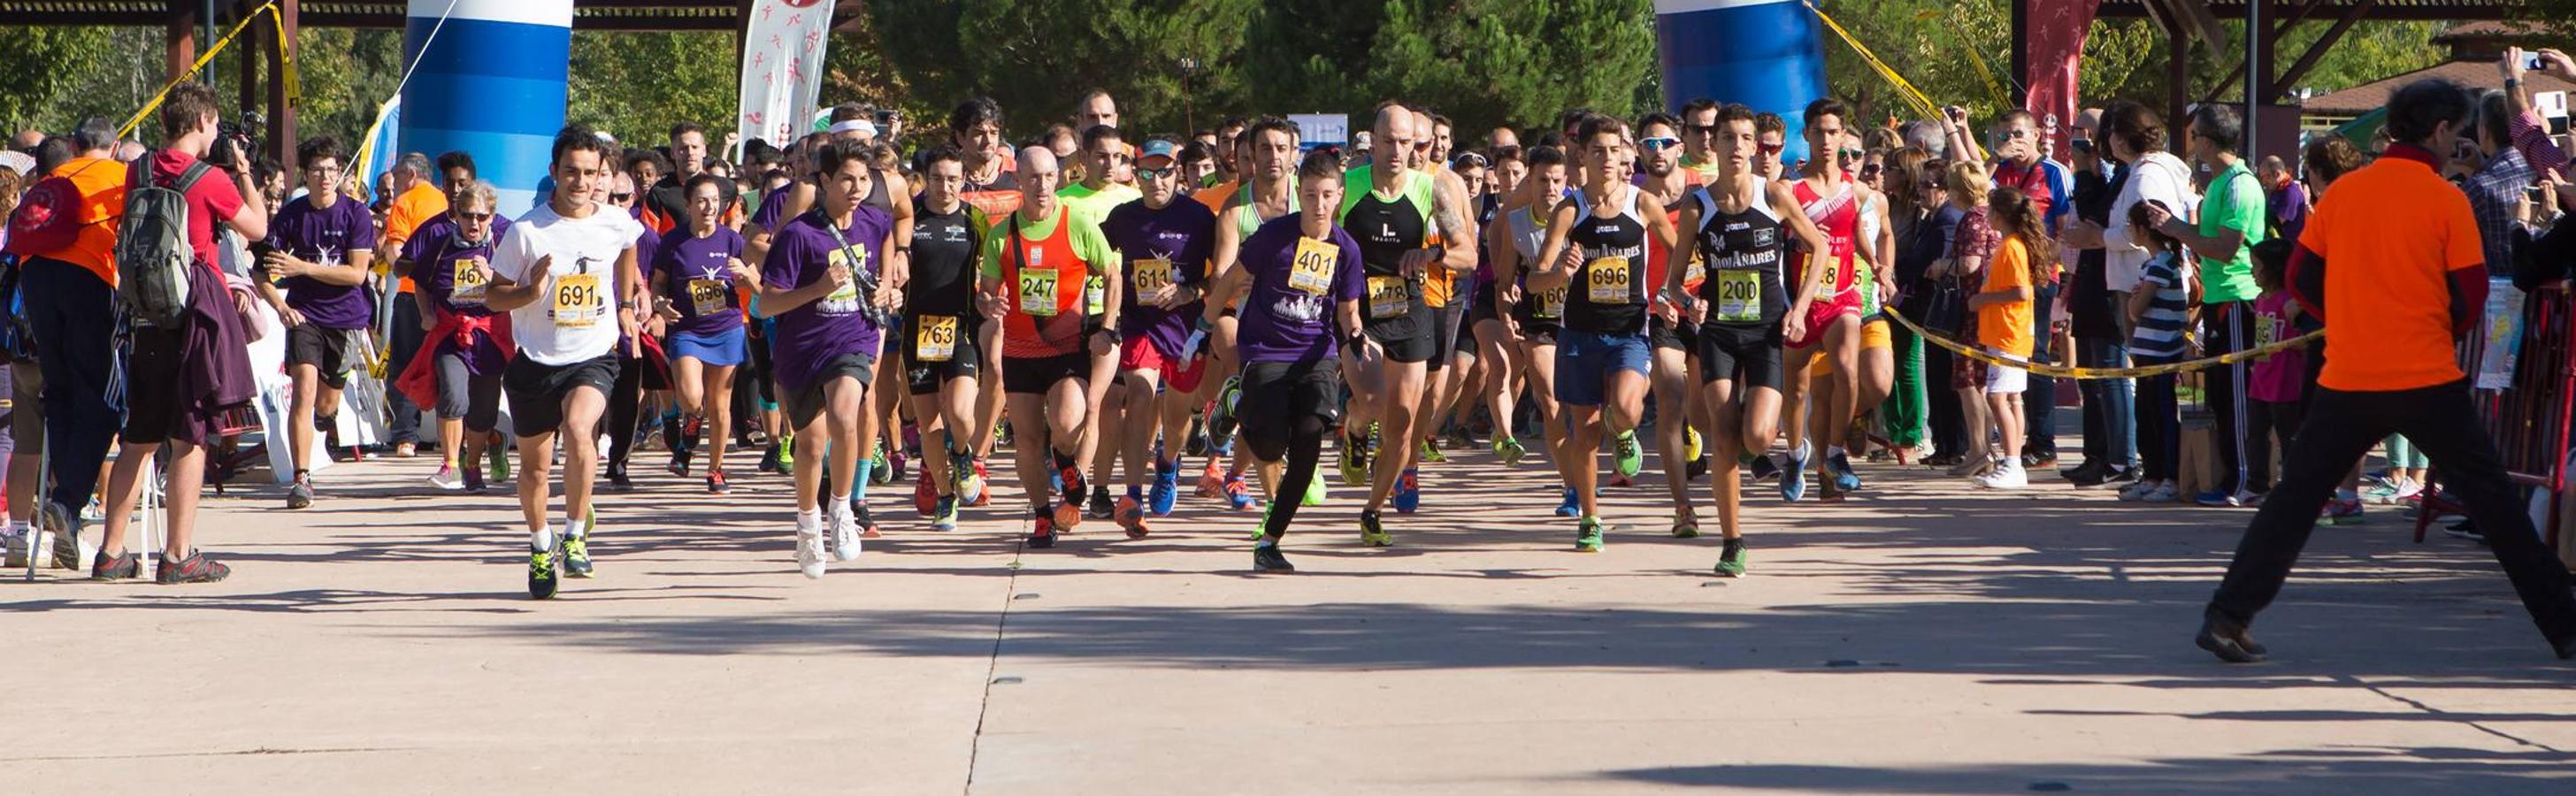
column 1042, row 282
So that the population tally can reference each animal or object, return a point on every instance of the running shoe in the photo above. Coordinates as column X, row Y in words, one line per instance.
column 1267, row 558
column 617, row 480
column 65, row 525
column 1971, row 467
column 1261, row 530
column 1686, row 528
column 1508, row 448
column 1355, row 465
column 2163, row 493
column 1408, row 491
column 1197, row 436
column 680, row 462
column 1828, row 491
column 1238, row 496
column 1067, row 516
column 1587, row 535
column 1167, row 488
column 1372, row 532
column 897, row 463
column 1761, row 468
column 2137, row 491
column 844, row 527
column 17, row 546
column 1211, row 480
column 925, row 495
column 576, row 547
column 541, row 567
column 300, row 493
column 2218, row 499
column 1839, row 462
column 859, row 514
column 1696, row 468
column 1627, row 457
column 1461, row 438
column 2344, row 511
column 1002, row 433
column 1431, row 453
column 1793, row 476
column 500, row 464
column 787, row 454
column 1315, row 488
column 1102, row 506
column 1068, row 482
column 880, row 468
column 980, row 490
column 1042, row 531
column 1221, row 418
column 769, row 459
column 1572, row 507
column 1730, row 562
column 472, row 481
column 197, row 568
column 2393, row 492
column 809, row 547
column 943, row 517
column 716, row 483
column 1131, row 516
column 447, row 478
column 123, row 566
column 2006, row 475
column 1693, row 448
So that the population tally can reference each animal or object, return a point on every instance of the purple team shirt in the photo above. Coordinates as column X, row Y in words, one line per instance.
column 1183, row 232
column 1280, row 323
column 808, row 338
column 772, row 205
column 433, row 251
column 325, row 235
column 688, row 258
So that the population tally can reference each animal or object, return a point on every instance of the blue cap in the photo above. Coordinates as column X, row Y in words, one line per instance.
column 1159, row 148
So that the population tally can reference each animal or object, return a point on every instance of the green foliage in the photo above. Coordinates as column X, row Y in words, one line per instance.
column 636, row 85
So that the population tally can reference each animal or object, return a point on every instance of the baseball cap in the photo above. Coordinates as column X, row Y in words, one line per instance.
column 1158, row 148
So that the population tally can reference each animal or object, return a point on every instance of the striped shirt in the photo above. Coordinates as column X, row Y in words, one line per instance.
column 2159, row 336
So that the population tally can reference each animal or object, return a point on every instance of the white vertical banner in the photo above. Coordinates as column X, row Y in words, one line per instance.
column 782, row 67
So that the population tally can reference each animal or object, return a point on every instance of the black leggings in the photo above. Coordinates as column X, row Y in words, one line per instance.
column 2267, row 421
column 625, row 404
column 1304, row 447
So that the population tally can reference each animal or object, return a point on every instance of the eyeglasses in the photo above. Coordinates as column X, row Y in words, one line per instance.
column 1658, row 143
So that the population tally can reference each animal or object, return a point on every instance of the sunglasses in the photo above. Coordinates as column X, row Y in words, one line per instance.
column 1151, row 173
column 620, row 197
column 1700, row 129
column 1869, row 171
column 476, row 218
column 1773, row 149
column 1853, row 154
column 1422, row 146
column 1658, row 143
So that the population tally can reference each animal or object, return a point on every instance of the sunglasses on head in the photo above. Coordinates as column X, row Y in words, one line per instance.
column 1658, row 143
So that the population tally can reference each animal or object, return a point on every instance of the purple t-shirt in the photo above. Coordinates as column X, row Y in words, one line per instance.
column 1173, row 243
column 325, row 235
column 808, row 338
column 1283, row 319
column 434, row 251
column 701, row 287
column 772, row 205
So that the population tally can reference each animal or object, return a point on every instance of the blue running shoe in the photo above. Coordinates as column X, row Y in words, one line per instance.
column 1845, row 478
column 1793, row 478
column 1167, row 487
column 1572, row 507
column 1408, row 491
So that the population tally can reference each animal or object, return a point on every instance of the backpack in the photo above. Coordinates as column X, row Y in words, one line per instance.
column 47, row 218
column 153, row 254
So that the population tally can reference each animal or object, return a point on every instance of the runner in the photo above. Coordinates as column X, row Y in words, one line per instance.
column 975, row 129
column 700, row 280
column 1534, row 317
column 1450, row 360
column 318, row 250
column 1466, row 371
column 825, row 280
column 568, row 277
column 1602, row 354
column 1270, row 147
column 467, row 345
column 1740, row 226
column 1294, row 270
column 1497, row 352
column 1699, row 131
column 1832, row 323
column 1034, row 269
column 945, row 359
column 1165, row 240
column 1672, row 337
column 1104, row 157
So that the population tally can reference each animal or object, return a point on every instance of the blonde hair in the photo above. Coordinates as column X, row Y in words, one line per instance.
column 1968, row 183
column 477, row 192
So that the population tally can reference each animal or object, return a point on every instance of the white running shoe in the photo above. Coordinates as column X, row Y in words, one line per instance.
column 15, row 541
column 845, row 532
column 809, row 547
column 447, row 478
column 2163, row 493
column 2007, row 474
column 2137, row 491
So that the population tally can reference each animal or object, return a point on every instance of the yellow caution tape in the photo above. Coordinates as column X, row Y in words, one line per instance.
column 285, row 59
column 1905, row 90
column 2063, row 372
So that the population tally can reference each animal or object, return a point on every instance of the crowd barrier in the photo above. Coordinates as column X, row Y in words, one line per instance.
column 2528, row 418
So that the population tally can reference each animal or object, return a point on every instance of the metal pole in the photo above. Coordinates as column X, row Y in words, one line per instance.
column 2255, row 72
column 206, row 33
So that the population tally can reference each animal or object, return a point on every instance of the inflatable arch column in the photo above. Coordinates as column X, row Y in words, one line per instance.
column 491, row 84
column 1763, row 53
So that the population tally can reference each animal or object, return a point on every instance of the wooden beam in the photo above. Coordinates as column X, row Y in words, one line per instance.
column 179, row 39
column 2317, row 52
column 281, row 107
column 2177, row 82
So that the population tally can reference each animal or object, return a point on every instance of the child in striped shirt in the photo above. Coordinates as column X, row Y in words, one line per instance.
column 2161, row 308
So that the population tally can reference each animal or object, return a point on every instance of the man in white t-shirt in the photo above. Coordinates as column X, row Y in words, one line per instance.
column 567, row 275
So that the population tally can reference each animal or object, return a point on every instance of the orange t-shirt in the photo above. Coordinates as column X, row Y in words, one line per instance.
column 413, row 208
column 2391, row 234
column 2005, row 326
column 1215, row 196
column 101, row 182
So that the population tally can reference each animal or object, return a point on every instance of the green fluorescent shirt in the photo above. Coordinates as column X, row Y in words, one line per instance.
column 2234, row 201
column 1088, row 243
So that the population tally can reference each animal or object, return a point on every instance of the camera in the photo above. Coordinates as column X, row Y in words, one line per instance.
column 234, row 144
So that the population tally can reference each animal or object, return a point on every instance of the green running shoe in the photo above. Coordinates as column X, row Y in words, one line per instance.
column 1508, row 448
column 541, row 571
column 1373, row 533
column 1315, row 488
column 1355, row 465
column 1431, row 453
column 500, row 462
column 1628, row 457
column 1587, row 535
column 1685, row 529
column 1730, row 564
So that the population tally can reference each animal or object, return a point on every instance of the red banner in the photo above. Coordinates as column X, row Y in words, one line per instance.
column 2056, row 50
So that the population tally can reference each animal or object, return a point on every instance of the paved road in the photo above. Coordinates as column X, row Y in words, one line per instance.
column 1918, row 639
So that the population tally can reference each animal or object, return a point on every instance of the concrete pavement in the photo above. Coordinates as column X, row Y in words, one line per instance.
column 1918, row 639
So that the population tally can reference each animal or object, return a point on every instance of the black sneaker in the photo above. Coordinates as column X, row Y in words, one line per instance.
column 2120, row 477
column 2466, row 529
column 680, row 463
column 617, row 480
column 1198, row 439
column 1042, row 532
column 769, row 459
column 2088, row 474
column 541, row 570
column 1101, row 506
column 1695, row 469
column 1267, row 558
column 1764, row 468
column 65, row 525
column 122, row 567
column 196, row 568
column 473, row 474
column 2228, row 640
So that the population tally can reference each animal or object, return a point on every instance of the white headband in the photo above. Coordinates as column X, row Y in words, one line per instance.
column 862, row 126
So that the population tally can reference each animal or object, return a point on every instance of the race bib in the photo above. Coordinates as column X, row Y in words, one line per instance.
column 709, row 296
column 937, row 339
column 579, row 302
column 1739, row 297
column 1551, row 303
column 1095, row 295
column 1037, row 292
column 1389, row 297
column 469, row 283
column 1833, row 274
column 1152, row 275
column 844, row 299
column 1312, row 270
column 1606, row 280
column 1695, row 273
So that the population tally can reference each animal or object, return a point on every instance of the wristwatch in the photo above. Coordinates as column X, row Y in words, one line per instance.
column 1111, row 332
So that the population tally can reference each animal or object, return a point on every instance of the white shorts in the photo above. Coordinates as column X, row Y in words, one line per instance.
column 2003, row 380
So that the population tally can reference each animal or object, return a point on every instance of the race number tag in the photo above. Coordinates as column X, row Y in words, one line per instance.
column 1152, row 274
column 1312, row 270
column 1739, row 297
column 1551, row 303
column 844, row 299
column 1831, row 283
column 937, row 340
column 1389, row 297
column 469, row 283
column 579, row 302
column 708, row 297
column 1038, row 292
column 1695, row 273
column 1606, row 280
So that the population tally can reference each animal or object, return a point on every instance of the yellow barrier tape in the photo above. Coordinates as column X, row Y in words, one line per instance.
column 2064, row 372
column 287, row 67
column 1904, row 89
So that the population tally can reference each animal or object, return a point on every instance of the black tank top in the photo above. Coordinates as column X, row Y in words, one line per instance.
column 944, row 247
column 1608, row 294
column 1743, row 251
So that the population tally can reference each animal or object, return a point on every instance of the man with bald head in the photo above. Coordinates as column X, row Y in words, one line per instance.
column 1402, row 217
column 27, row 139
column 1036, row 264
